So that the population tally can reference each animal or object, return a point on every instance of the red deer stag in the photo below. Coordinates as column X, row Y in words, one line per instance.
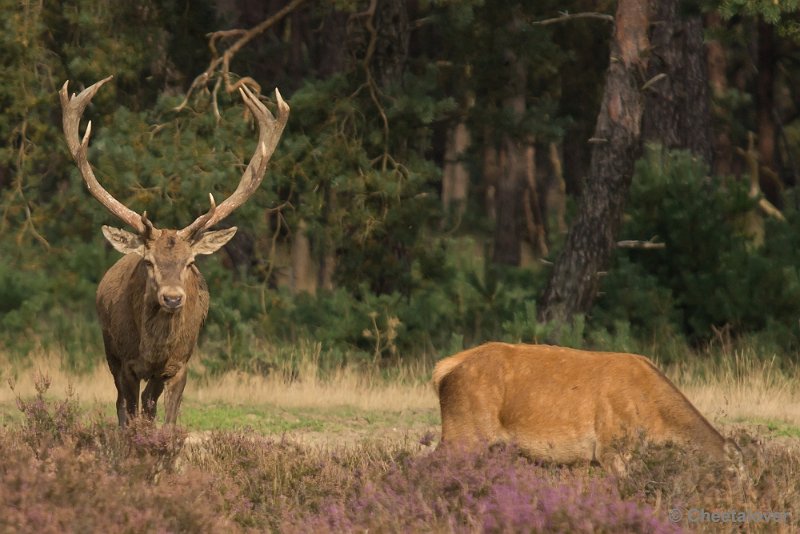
column 153, row 301
column 565, row 405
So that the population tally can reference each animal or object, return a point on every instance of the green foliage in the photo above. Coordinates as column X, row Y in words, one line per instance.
column 710, row 275
column 777, row 12
column 357, row 170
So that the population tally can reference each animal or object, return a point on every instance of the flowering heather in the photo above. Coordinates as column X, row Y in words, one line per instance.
column 61, row 471
column 497, row 490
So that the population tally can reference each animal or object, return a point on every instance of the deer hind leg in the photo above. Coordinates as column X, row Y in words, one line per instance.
column 150, row 397
column 121, row 413
column 174, row 391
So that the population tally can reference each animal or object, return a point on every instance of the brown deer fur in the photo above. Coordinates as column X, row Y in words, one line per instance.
column 153, row 302
column 145, row 340
column 565, row 405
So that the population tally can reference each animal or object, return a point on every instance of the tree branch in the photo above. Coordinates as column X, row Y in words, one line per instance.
column 225, row 59
column 572, row 16
column 645, row 245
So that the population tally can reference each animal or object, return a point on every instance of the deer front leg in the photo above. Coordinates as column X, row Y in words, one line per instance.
column 174, row 391
column 150, row 397
column 128, row 392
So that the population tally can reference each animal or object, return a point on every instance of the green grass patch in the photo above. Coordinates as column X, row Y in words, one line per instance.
column 266, row 419
column 773, row 426
column 262, row 419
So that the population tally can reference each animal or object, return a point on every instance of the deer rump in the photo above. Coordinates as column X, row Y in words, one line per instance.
column 564, row 405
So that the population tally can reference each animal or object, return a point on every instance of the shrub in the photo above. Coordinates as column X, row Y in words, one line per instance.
column 712, row 274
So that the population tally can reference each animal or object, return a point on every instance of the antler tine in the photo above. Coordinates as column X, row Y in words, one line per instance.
column 72, row 109
column 269, row 133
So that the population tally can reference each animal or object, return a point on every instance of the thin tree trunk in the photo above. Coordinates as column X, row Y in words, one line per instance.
column 557, row 194
column 676, row 112
column 512, row 176
column 508, row 201
column 301, row 260
column 455, row 176
column 617, row 144
column 534, row 220
column 392, row 40
column 765, row 105
column 491, row 172
column 718, row 81
column 327, row 254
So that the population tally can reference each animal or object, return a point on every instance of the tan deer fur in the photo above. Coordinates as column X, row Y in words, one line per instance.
column 565, row 405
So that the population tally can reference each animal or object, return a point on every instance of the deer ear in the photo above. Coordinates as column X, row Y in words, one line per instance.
column 123, row 241
column 211, row 242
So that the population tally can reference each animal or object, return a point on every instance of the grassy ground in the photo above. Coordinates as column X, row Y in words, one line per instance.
column 742, row 390
column 295, row 452
column 347, row 407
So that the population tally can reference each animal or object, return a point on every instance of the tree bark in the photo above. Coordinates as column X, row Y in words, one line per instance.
column 302, row 280
column 455, row 176
column 718, row 81
column 765, row 106
column 617, row 144
column 676, row 112
column 512, row 177
column 557, row 193
column 534, row 219
column 392, row 39
column 491, row 173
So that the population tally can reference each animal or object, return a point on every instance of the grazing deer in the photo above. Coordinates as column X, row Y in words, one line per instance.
column 153, row 301
column 565, row 405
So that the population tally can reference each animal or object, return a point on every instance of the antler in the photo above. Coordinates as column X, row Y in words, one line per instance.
column 72, row 109
column 269, row 132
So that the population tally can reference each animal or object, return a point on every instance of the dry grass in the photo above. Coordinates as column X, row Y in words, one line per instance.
column 741, row 388
column 302, row 386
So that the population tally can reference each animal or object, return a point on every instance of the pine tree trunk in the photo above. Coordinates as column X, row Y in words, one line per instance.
column 512, row 177
column 491, row 171
column 508, row 203
column 302, row 279
column 391, row 46
column 617, row 144
column 718, row 81
column 676, row 113
column 557, row 192
column 455, row 175
column 765, row 106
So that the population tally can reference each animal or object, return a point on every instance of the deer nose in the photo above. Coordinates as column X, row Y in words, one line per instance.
column 173, row 301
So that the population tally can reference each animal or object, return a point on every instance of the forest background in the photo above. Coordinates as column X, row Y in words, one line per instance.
column 441, row 175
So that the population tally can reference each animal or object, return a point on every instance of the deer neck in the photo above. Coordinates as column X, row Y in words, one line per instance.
column 168, row 335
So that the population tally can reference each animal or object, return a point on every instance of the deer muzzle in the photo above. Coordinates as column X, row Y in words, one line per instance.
column 171, row 299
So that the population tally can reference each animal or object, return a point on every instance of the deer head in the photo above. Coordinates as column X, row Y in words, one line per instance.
column 168, row 255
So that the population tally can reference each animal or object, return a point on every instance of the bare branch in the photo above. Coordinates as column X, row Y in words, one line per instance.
column 565, row 16
column 645, row 245
column 225, row 59
column 751, row 158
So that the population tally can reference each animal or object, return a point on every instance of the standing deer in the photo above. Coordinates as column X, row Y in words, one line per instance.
column 153, row 301
column 566, row 405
